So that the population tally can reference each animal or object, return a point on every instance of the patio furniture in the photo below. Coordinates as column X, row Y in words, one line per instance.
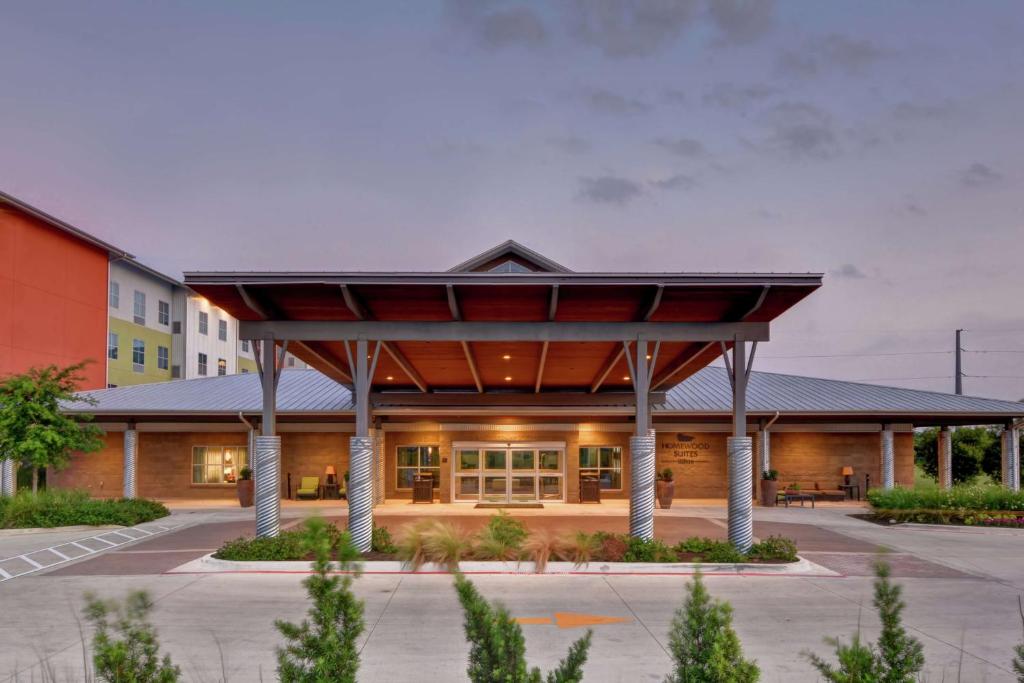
column 850, row 488
column 794, row 496
column 829, row 494
column 590, row 489
column 309, row 487
column 331, row 491
column 423, row 488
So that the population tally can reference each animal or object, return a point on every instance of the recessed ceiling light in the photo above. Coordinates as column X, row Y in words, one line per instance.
column 506, row 357
column 648, row 356
column 626, row 378
column 389, row 378
column 508, row 379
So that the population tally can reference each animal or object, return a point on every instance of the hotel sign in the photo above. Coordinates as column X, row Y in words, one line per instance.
column 686, row 449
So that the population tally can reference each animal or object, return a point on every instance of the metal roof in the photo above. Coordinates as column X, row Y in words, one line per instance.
column 706, row 392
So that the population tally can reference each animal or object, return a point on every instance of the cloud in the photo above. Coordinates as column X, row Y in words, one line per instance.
column 683, row 147
column 494, row 28
column 630, row 28
column 675, row 96
column 739, row 97
column 609, row 102
column 916, row 112
column 678, row 181
column 609, row 189
column 801, row 131
column 834, row 52
column 979, row 175
column 741, row 21
column 570, row 144
column 849, row 271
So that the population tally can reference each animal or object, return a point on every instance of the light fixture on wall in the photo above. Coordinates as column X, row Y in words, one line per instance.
column 847, row 472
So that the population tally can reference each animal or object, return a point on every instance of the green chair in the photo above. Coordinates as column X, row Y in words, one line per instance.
column 309, row 488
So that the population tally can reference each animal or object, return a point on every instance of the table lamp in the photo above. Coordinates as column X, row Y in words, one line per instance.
column 847, row 472
column 330, row 473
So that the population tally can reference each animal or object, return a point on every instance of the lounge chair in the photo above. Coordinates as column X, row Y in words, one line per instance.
column 829, row 494
column 309, row 488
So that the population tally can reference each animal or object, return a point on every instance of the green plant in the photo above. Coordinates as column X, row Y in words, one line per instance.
column 580, row 547
column 34, row 429
column 382, row 542
column 324, row 647
column 125, row 648
column 770, row 475
column 498, row 649
column 648, row 550
column 541, row 547
column 502, row 538
column 897, row 657
column 795, row 486
column 288, row 545
column 703, row 644
column 612, row 547
column 774, row 548
column 710, row 550
column 57, row 507
column 959, row 498
column 245, row 474
column 666, row 474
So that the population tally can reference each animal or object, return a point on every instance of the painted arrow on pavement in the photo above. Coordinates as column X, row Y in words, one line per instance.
column 574, row 620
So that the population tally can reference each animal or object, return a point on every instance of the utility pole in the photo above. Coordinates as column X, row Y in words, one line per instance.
column 959, row 386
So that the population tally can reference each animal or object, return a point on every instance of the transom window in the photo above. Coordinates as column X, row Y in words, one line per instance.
column 604, row 462
column 204, row 322
column 163, row 312
column 218, row 464
column 413, row 460
column 138, row 355
column 139, row 308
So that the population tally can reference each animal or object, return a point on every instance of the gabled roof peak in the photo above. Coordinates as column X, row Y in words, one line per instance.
column 510, row 257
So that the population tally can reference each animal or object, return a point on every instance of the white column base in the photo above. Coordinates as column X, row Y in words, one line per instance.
column 8, row 477
column 741, row 503
column 268, row 486
column 642, row 475
column 131, row 452
column 945, row 444
column 360, row 491
column 888, row 459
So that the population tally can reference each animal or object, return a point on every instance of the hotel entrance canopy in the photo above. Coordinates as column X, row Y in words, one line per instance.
column 508, row 320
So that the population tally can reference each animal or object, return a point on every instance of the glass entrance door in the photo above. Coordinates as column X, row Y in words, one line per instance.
column 509, row 472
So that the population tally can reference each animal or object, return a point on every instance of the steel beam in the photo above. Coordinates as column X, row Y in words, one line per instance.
column 385, row 331
column 655, row 302
column 540, row 367
column 609, row 365
column 359, row 310
column 456, row 311
column 268, row 448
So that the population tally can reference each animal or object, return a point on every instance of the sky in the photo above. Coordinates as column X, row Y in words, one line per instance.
column 877, row 142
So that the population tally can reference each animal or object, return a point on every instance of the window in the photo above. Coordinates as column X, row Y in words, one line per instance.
column 413, row 460
column 112, row 345
column 245, row 371
column 245, row 346
column 115, row 294
column 290, row 362
column 204, row 322
column 218, row 464
column 163, row 357
column 163, row 312
column 138, row 355
column 222, row 367
column 222, row 330
column 605, row 462
column 139, row 310
column 202, row 364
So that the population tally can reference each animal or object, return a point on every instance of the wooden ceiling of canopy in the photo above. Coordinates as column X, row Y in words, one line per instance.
column 484, row 295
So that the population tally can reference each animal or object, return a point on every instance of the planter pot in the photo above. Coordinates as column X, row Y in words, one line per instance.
column 666, row 492
column 769, row 491
column 246, row 491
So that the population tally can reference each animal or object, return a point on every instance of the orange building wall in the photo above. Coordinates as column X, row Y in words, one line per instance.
column 53, row 298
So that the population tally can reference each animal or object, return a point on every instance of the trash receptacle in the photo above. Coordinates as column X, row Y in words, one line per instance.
column 423, row 488
column 590, row 489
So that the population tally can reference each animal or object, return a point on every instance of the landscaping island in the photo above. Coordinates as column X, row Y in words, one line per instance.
column 48, row 509
column 983, row 505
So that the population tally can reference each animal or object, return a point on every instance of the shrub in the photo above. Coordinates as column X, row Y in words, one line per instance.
column 580, row 547
column 703, row 644
column 988, row 497
column 56, row 507
column 897, row 658
column 434, row 540
column 644, row 550
column 612, row 546
column 498, row 649
column 133, row 654
column 287, row 546
column 774, row 548
column 541, row 547
column 382, row 541
column 324, row 647
column 710, row 550
column 502, row 538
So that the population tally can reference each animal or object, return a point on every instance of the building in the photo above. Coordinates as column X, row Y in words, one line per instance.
column 53, row 289
column 507, row 379
column 140, row 303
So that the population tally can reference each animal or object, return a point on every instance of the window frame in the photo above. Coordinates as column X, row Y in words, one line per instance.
column 599, row 469
column 202, row 364
column 113, row 345
column 205, row 466
column 222, row 329
column 418, row 467
column 163, row 358
column 114, row 294
column 139, row 303
column 138, row 355
column 163, row 312
column 204, row 323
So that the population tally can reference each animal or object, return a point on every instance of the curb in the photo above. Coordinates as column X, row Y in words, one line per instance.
column 802, row 568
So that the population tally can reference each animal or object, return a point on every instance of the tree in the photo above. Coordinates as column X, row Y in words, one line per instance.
column 34, row 430
column 324, row 647
column 133, row 654
column 896, row 658
column 703, row 644
column 976, row 450
column 498, row 649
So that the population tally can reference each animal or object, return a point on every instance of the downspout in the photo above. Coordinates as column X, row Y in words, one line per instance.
column 769, row 423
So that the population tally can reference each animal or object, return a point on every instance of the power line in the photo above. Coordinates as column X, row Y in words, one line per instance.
column 862, row 355
column 996, row 376
column 900, row 379
column 994, row 350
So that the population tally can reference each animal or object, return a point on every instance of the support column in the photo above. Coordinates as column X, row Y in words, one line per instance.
column 764, row 448
column 1011, row 458
column 131, row 452
column 267, row 470
column 642, row 464
column 8, row 477
column 888, row 458
column 361, row 448
column 378, row 466
column 945, row 447
column 740, row 448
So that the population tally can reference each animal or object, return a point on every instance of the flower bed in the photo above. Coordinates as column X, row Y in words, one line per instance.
column 505, row 539
column 55, row 508
column 964, row 504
